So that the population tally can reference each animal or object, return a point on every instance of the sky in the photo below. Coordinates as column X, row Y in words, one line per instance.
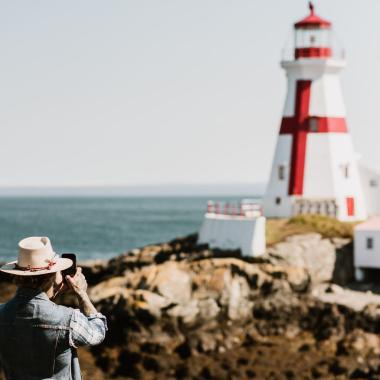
column 134, row 92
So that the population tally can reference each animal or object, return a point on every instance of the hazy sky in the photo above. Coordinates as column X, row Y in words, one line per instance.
column 163, row 91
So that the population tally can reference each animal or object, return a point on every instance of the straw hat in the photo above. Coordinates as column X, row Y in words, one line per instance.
column 36, row 257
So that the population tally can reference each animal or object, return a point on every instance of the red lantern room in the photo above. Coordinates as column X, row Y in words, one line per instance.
column 312, row 36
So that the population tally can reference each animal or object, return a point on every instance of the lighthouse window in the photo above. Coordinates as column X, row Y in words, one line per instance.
column 346, row 170
column 369, row 243
column 281, row 172
column 278, row 201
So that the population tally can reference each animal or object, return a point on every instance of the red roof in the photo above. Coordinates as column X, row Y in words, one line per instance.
column 312, row 21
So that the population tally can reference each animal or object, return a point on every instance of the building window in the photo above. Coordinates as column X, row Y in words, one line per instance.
column 346, row 170
column 313, row 124
column 369, row 243
column 278, row 201
column 373, row 183
column 281, row 172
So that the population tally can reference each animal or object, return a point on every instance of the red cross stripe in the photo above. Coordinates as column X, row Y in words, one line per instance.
column 299, row 126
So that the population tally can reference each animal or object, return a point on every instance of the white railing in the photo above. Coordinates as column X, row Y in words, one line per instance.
column 326, row 206
column 244, row 208
column 289, row 54
column 337, row 51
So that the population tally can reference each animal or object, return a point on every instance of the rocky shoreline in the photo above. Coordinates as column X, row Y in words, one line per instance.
column 181, row 311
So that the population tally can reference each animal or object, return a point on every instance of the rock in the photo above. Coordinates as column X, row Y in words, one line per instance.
column 298, row 278
column 358, row 342
column 153, row 302
column 187, row 312
column 239, row 306
column 109, row 288
column 208, row 342
column 173, row 283
column 307, row 251
column 367, row 303
column 208, row 309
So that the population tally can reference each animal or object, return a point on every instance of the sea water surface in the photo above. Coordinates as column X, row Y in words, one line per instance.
column 98, row 227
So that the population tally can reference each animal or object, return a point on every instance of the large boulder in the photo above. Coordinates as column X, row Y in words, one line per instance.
column 173, row 283
column 317, row 255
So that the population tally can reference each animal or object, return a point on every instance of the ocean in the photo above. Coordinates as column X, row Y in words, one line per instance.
column 98, row 227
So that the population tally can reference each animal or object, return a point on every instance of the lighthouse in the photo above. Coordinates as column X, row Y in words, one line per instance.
column 315, row 169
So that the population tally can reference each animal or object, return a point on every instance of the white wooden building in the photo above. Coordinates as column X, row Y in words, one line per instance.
column 370, row 180
column 367, row 246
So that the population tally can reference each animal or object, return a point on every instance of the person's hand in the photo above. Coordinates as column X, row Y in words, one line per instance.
column 77, row 283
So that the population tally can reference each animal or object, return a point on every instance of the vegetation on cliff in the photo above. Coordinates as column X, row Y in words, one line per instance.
column 279, row 229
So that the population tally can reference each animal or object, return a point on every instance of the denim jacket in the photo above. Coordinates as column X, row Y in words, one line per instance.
column 36, row 340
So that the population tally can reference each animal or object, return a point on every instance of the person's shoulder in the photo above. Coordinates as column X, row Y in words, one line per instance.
column 67, row 313
column 63, row 310
column 58, row 314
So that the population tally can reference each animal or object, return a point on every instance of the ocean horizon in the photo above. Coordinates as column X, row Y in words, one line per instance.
column 100, row 227
column 136, row 190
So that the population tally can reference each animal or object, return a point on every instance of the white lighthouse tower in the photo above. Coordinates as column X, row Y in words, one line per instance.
column 314, row 167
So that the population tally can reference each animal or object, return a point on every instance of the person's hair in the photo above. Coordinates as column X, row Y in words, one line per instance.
column 33, row 282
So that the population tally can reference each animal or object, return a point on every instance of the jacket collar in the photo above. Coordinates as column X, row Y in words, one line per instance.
column 31, row 293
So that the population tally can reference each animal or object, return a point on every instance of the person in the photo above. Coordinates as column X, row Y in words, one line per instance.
column 38, row 338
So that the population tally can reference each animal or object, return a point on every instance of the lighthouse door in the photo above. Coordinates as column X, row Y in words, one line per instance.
column 350, row 206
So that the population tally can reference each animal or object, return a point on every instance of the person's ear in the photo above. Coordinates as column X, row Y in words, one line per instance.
column 58, row 277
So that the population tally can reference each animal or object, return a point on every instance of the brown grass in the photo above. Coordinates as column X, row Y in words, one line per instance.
column 279, row 229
